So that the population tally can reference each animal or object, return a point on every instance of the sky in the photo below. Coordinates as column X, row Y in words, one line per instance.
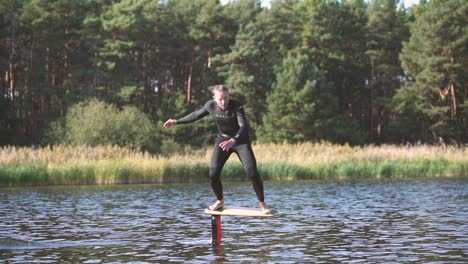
column 408, row 3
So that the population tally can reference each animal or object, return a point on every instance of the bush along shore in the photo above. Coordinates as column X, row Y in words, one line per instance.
column 67, row 165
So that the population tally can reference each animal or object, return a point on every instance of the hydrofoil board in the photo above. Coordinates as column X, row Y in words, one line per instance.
column 240, row 211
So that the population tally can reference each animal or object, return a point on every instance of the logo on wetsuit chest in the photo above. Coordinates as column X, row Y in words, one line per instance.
column 226, row 115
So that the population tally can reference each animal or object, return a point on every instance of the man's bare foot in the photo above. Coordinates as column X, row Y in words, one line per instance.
column 264, row 208
column 218, row 206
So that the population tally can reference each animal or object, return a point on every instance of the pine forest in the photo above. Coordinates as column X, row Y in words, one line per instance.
column 355, row 72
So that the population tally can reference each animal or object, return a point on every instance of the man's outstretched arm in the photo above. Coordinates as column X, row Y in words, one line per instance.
column 194, row 116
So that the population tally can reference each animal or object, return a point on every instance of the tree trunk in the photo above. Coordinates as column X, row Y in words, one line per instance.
column 189, row 84
column 454, row 102
column 375, row 125
column 11, row 67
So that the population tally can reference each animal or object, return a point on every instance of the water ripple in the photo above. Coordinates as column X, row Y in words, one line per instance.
column 319, row 222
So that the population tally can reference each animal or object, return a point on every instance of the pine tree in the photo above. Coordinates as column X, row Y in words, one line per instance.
column 243, row 12
column 300, row 104
column 386, row 32
column 281, row 25
column 436, row 59
column 9, row 26
column 247, row 71
column 334, row 37
column 124, row 57
column 48, row 53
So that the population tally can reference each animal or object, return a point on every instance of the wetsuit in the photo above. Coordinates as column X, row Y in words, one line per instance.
column 231, row 123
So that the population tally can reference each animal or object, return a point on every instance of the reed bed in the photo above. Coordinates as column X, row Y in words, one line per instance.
column 325, row 160
column 63, row 165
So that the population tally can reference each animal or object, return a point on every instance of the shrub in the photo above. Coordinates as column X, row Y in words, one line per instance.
column 96, row 123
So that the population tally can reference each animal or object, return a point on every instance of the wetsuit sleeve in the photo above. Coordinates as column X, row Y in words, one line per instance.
column 241, row 120
column 194, row 116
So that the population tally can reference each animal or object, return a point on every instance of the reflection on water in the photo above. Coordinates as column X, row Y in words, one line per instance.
column 320, row 222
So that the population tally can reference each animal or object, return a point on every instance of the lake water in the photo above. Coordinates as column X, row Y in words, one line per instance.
column 398, row 221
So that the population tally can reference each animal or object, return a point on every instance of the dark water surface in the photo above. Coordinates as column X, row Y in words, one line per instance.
column 397, row 221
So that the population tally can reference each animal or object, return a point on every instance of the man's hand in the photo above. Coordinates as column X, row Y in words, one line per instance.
column 170, row 123
column 226, row 145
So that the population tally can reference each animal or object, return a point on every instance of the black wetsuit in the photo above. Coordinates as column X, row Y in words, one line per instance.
column 231, row 123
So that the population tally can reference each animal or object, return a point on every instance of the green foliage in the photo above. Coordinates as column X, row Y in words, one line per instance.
column 302, row 108
column 334, row 38
column 96, row 123
column 435, row 58
column 243, row 12
column 113, row 165
column 161, row 56
column 177, row 138
column 29, row 174
column 241, row 64
column 291, row 105
column 127, row 31
column 281, row 25
column 386, row 31
column 247, row 69
column 127, row 93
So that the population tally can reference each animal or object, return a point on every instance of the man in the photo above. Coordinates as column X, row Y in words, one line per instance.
column 233, row 136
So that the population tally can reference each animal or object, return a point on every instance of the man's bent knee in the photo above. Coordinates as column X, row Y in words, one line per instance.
column 252, row 173
column 215, row 174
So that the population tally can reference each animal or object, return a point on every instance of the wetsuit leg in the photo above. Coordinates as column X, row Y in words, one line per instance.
column 218, row 159
column 247, row 157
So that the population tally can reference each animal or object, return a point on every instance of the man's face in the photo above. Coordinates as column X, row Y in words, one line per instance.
column 222, row 99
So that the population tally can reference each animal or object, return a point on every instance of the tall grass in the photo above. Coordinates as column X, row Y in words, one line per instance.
column 60, row 165
column 325, row 160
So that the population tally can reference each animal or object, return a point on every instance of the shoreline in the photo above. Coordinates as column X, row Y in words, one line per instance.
column 107, row 165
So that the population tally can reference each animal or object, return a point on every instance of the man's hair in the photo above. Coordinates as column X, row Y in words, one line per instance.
column 220, row 88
